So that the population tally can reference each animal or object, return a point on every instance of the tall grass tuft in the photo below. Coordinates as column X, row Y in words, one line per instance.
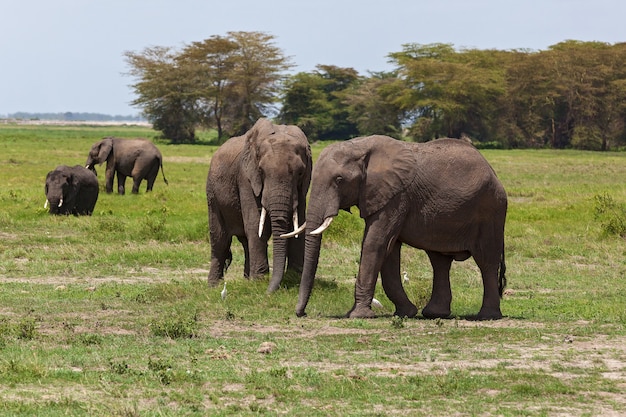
column 611, row 214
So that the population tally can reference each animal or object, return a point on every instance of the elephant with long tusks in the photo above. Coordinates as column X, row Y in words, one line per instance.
column 256, row 189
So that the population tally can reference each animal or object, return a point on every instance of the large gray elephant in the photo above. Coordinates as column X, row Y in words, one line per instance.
column 136, row 158
column 265, row 172
column 441, row 196
column 71, row 190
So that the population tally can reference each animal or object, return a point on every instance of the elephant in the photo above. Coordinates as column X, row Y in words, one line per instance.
column 441, row 196
column 265, row 172
column 71, row 190
column 136, row 158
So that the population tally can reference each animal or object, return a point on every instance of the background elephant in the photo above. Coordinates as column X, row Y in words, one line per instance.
column 71, row 190
column 136, row 158
column 441, row 196
column 264, row 172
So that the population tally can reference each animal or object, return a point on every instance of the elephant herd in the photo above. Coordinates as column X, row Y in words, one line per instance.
column 441, row 196
column 74, row 190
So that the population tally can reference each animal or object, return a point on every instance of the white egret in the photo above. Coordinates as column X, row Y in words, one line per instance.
column 376, row 303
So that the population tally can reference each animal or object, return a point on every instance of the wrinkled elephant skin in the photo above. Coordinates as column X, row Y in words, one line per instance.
column 135, row 158
column 71, row 190
column 256, row 189
column 441, row 196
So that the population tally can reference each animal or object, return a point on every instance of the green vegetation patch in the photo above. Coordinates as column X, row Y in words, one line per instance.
column 111, row 314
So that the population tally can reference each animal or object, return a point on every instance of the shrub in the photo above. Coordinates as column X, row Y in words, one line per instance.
column 611, row 214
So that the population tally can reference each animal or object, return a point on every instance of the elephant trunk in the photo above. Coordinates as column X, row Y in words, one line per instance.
column 312, row 244
column 315, row 217
column 54, row 204
column 281, row 220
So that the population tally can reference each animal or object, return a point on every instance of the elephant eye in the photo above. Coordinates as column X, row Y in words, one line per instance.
column 339, row 179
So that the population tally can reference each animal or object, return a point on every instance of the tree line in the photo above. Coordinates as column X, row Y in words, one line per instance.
column 571, row 95
column 75, row 117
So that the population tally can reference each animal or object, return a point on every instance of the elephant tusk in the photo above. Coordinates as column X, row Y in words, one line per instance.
column 324, row 226
column 262, row 220
column 295, row 232
column 60, row 202
column 295, row 221
column 46, row 204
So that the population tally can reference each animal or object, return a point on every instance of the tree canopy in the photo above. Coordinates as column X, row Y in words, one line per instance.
column 224, row 82
column 571, row 95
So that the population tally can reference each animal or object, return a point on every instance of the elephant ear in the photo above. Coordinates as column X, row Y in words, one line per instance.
column 253, row 137
column 389, row 168
column 106, row 146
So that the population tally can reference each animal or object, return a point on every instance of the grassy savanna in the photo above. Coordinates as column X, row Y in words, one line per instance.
column 111, row 315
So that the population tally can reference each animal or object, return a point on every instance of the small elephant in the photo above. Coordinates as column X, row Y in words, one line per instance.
column 440, row 196
column 136, row 158
column 71, row 190
column 262, row 174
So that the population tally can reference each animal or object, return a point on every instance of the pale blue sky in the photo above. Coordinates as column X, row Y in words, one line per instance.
column 67, row 55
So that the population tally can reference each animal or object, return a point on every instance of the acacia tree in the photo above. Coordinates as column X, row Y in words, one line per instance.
column 257, row 79
column 373, row 105
column 315, row 102
column 224, row 82
column 587, row 109
column 451, row 93
column 212, row 64
column 163, row 92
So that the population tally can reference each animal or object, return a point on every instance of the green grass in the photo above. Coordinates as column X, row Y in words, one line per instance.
column 111, row 315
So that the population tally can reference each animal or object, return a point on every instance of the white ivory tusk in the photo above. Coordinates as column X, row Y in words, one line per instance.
column 46, row 205
column 262, row 220
column 60, row 202
column 295, row 232
column 295, row 221
column 324, row 226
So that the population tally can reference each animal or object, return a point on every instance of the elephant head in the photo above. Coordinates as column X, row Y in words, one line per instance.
column 355, row 172
column 277, row 162
column 60, row 190
column 99, row 153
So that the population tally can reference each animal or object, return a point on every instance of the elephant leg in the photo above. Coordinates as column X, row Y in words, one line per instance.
column 109, row 176
column 377, row 238
column 490, row 309
column 221, row 256
column 441, row 297
column 121, row 183
column 246, row 255
column 136, row 183
column 151, row 177
column 256, row 264
column 257, row 257
column 392, row 284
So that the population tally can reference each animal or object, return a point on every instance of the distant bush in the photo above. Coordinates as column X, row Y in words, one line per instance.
column 611, row 214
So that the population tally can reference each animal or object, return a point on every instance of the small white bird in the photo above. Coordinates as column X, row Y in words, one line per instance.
column 224, row 292
column 376, row 303
column 405, row 277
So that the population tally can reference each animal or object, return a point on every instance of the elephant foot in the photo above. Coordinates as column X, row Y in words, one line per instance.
column 256, row 277
column 361, row 312
column 213, row 282
column 489, row 314
column 410, row 311
column 431, row 312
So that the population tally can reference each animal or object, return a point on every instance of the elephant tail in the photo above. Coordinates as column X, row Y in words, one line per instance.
column 163, row 173
column 501, row 274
